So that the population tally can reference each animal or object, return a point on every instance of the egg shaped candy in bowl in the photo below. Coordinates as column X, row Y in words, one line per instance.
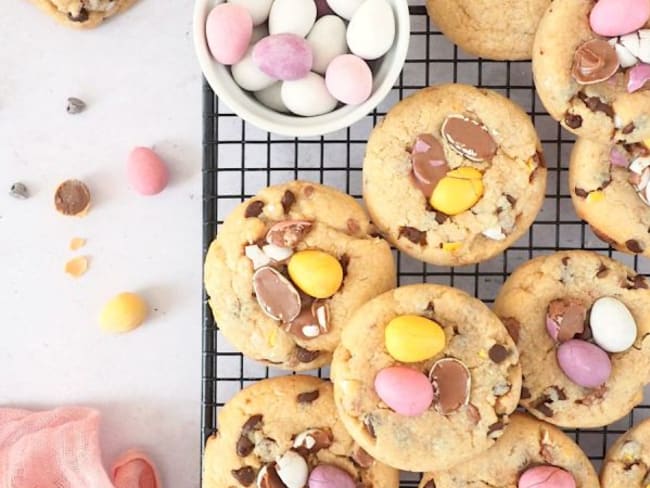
column 301, row 67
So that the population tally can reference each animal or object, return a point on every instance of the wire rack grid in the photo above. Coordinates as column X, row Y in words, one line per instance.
column 240, row 159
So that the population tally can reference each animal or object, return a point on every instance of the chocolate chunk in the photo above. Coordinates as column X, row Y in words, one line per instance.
column 495, row 430
column 253, row 423
column 639, row 282
column 541, row 405
column 431, row 308
column 361, row 458
column 451, row 385
column 245, row 476
column 513, row 326
column 634, row 246
column 414, row 235
column 525, row 393
column 353, row 226
column 288, row 233
column 511, row 200
column 288, row 199
column 429, row 484
column 305, row 355
column 312, row 440
column 469, row 138
column 276, row 295
column 441, row 218
column 574, row 121
column 369, row 426
column 269, row 478
column 595, row 104
column 305, row 325
column 602, row 271
column 593, row 397
column 82, row 16
column 345, row 262
column 628, row 129
column 308, row 191
column 565, row 319
column 254, row 209
column 580, row 192
column 308, row 397
column 498, row 353
column 244, row 446
column 565, row 260
column 594, row 61
column 72, row 197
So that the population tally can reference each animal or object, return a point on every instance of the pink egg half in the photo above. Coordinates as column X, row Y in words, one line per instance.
column 283, row 56
column 584, row 363
column 405, row 390
column 349, row 79
column 228, row 30
column 546, row 477
column 147, row 173
column 613, row 18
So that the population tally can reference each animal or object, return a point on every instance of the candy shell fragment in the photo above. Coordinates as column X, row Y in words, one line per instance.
column 77, row 267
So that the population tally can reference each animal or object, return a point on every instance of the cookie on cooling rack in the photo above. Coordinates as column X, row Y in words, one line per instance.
column 492, row 30
column 284, row 432
column 425, row 377
column 287, row 269
column 528, row 453
column 454, row 174
column 590, row 67
column 627, row 464
column 610, row 189
column 83, row 13
column 581, row 322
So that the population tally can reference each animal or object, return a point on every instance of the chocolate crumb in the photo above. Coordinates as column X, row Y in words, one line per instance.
column 511, row 200
column 254, row 209
column 602, row 271
column 414, row 235
column 541, row 406
column 634, row 246
column 495, row 430
column 513, row 327
column 244, row 446
column 580, row 192
column 574, row 121
column 353, row 226
column 305, row 355
column 345, row 262
column 525, row 393
column 288, row 199
column 595, row 104
column 441, row 218
column 245, row 476
column 498, row 353
column 629, row 128
column 361, row 458
column 429, row 484
column 308, row 397
column 431, row 308
column 82, row 16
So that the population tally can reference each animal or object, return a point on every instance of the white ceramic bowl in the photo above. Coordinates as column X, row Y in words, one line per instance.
column 249, row 109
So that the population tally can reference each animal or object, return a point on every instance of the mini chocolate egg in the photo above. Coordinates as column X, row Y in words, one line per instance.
column 292, row 17
column 546, row 477
column 327, row 41
column 283, row 56
column 248, row 76
column 612, row 325
column 308, row 97
column 147, row 173
column 371, row 31
column 584, row 363
column 272, row 97
column 228, row 31
column 407, row 391
column 259, row 9
column 345, row 8
column 613, row 18
column 330, row 476
column 349, row 79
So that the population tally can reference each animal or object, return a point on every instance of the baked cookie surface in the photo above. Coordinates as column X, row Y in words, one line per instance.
column 286, row 426
column 260, row 282
column 627, row 464
column 581, row 322
column 609, row 188
column 526, row 443
column 83, row 13
column 474, row 380
column 502, row 30
column 454, row 174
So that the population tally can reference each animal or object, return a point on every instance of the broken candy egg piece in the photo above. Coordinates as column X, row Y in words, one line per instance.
column 638, row 76
column 72, row 198
column 77, row 267
column 288, row 233
column 77, row 243
column 594, row 61
column 469, row 138
column 494, row 233
column 277, row 253
column 276, row 295
column 292, row 469
column 123, row 313
column 258, row 257
column 452, row 384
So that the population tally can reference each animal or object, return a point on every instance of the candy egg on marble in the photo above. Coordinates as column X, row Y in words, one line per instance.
column 405, row 390
column 283, row 56
column 546, row 477
column 345, row 8
column 272, row 97
column 259, row 9
column 147, row 173
column 228, row 31
column 612, row 325
column 327, row 41
column 349, row 79
column 292, row 17
column 308, row 96
column 411, row 338
column 371, row 31
column 613, row 18
column 248, row 76
column 330, row 476
column 584, row 363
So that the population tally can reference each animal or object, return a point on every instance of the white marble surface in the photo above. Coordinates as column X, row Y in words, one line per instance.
column 142, row 85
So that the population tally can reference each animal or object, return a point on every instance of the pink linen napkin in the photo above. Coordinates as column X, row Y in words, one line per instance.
column 60, row 449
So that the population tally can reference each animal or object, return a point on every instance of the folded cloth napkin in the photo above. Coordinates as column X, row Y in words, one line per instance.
column 60, row 449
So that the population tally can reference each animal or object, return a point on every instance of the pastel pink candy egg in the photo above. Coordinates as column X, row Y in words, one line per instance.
column 229, row 29
column 284, row 57
column 584, row 363
column 613, row 18
column 349, row 79
column 147, row 173
column 405, row 390
column 546, row 477
column 330, row 476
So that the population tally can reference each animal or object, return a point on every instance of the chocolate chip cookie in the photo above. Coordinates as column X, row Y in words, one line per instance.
column 83, row 13
column 592, row 83
column 415, row 411
column 454, row 174
column 287, row 269
column 527, row 446
column 283, row 432
column 581, row 322
column 610, row 190
column 502, row 30
column 627, row 464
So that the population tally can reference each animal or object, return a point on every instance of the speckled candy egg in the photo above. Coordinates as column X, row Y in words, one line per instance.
column 584, row 363
column 308, row 96
column 292, row 17
column 349, row 79
column 405, row 390
column 228, row 30
column 330, row 476
column 371, row 32
column 283, row 56
column 147, row 173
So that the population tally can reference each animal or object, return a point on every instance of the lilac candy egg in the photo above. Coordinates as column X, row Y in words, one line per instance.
column 546, row 477
column 329, row 476
column 349, row 79
column 613, row 18
column 584, row 363
column 283, row 56
column 228, row 30
column 638, row 77
column 405, row 390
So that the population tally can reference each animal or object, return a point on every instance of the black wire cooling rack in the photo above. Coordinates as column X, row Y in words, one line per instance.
column 240, row 159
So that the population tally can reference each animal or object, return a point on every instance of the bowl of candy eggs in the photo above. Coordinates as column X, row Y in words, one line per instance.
column 301, row 68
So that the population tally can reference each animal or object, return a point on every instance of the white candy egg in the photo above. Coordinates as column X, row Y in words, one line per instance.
column 308, row 96
column 345, row 8
column 292, row 17
column 248, row 76
column 327, row 41
column 259, row 9
column 292, row 469
column 612, row 325
column 272, row 97
column 371, row 31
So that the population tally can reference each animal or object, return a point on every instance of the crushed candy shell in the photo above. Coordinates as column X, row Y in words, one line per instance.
column 77, row 243
column 595, row 196
column 638, row 76
column 77, row 267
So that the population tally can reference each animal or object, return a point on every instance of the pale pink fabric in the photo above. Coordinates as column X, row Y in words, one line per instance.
column 60, row 449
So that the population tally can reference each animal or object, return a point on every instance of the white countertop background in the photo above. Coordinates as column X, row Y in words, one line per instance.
column 141, row 82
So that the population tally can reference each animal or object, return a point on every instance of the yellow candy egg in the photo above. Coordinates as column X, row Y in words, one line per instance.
column 411, row 338
column 316, row 273
column 123, row 313
column 458, row 191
